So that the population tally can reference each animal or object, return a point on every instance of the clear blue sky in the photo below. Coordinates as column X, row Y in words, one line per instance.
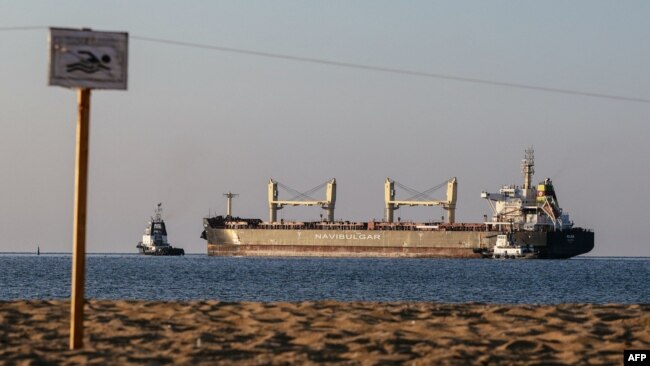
column 197, row 123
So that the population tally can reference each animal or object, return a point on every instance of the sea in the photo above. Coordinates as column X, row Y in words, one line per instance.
column 596, row 280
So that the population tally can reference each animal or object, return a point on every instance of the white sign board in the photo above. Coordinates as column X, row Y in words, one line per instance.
column 88, row 59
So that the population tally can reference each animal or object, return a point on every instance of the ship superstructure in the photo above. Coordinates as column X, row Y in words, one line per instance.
column 154, row 240
column 529, row 215
column 528, row 207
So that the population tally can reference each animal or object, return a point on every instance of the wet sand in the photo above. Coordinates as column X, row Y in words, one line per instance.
column 323, row 332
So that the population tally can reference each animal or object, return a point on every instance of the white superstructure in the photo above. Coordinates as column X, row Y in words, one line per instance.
column 154, row 240
column 527, row 207
column 506, row 248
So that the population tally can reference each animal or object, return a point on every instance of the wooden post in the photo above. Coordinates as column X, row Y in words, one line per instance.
column 79, row 225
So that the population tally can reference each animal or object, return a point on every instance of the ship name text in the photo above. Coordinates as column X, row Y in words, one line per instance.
column 348, row 236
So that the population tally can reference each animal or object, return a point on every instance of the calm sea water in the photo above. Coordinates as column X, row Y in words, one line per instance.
column 195, row 277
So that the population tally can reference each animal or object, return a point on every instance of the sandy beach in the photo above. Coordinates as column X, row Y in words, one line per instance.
column 323, row 332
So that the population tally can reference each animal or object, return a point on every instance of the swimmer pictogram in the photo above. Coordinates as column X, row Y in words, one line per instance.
column 90, row 64
column 88, row 59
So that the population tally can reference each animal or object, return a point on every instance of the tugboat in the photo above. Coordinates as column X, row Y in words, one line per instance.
column 507, row 248
column 154, row 240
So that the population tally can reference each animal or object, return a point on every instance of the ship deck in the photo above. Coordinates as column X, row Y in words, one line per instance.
column 351, row 225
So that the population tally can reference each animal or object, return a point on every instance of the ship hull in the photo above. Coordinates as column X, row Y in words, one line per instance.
column 337, row 251
column 386, row 243
column 568, row 243
column 167, row 251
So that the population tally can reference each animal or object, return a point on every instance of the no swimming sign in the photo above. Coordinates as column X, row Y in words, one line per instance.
column 88, row 59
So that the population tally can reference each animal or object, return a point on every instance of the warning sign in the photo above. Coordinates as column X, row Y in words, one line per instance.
column 88, row 59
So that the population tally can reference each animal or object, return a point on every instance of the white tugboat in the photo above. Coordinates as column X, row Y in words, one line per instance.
column 508, row 249
column 154, row 240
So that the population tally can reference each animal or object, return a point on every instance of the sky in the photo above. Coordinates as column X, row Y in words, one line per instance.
column 196, row 123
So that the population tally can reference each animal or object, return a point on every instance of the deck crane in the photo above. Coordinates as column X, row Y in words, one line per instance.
column 327, row 204
column 449, row 205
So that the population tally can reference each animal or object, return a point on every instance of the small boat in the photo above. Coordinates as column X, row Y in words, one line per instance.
column 154, row 239
column 507, row 248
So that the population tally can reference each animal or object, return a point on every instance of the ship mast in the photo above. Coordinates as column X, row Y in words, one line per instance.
column 158, row 213
column 229, row 197
column 528, row 168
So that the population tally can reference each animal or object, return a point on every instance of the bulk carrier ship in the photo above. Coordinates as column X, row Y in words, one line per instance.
column 529, row 216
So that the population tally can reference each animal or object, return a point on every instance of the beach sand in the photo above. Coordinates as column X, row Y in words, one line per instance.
column 322, row 332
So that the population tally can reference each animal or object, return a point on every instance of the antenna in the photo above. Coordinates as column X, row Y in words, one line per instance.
column 528, row 167
column 159, row 212
column 229, row 197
